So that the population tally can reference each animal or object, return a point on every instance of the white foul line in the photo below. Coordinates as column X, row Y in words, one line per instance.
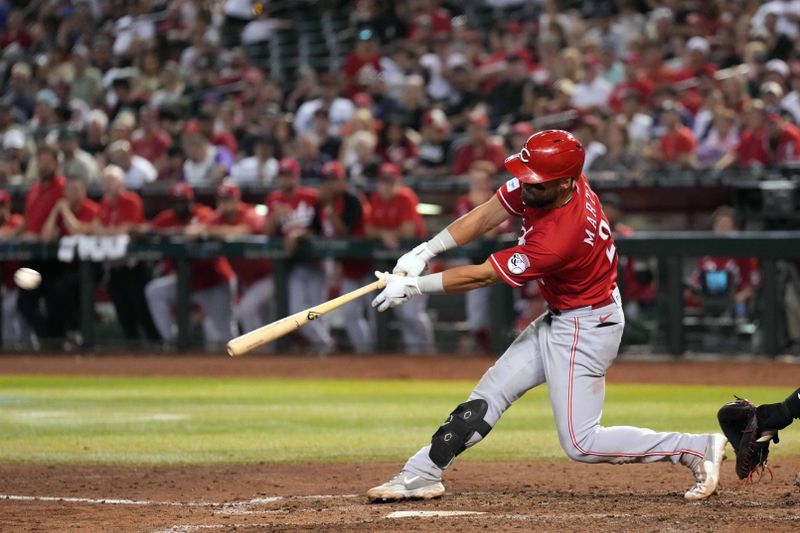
column 107, row 501
column 124, row 501
column 428, row 514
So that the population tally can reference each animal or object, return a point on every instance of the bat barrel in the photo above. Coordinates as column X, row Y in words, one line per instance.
column 266, row 334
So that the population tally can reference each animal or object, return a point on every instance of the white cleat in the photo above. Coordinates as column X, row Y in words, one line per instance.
column 706, row 471
column 406, row 486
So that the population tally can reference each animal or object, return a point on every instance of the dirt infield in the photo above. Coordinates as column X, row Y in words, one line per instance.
column 542, row 496
column 766, row 372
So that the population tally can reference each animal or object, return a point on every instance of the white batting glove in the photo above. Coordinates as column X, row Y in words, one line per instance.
column 413, row 263
column 398, row 290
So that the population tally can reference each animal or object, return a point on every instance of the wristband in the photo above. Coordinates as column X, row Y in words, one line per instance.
column 431, row 284
column 442, row 242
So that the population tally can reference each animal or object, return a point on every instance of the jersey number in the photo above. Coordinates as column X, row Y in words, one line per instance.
column 605, row 233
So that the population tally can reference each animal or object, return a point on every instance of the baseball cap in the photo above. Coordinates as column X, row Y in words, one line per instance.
column 181, row 190
column 479, row 118
column 13, row 139
column 389, row 170
column 192, row 127
column 67, row 134
column 362, row 99
column 5, row 199
column 522, row 128
column 437, row 119
column 778, row 66
column 699, row 44
column 47, row 96
column 228, row 189
column 771, row 87
column 288, row 165
column 332, row 170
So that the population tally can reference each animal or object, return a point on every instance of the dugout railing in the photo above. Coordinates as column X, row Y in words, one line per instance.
column 670, row 249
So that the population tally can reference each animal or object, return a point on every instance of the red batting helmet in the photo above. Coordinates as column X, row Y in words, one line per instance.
column 548, row 155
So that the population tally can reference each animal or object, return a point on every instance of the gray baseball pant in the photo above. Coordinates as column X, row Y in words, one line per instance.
column 306, row 289
column 358, row 315
column 571, row 352
column 216, row 302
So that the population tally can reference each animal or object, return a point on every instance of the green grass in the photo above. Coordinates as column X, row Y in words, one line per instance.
column 112, row 420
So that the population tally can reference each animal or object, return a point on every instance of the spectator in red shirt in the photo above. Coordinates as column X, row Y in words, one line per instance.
column 291, row 211
column 479, row 146
column 393, row 216
column 783, row 139
column 15, row 31
column 340, row 212
column 121, row 214
column 213, row 282
column 634, row 81
column 696, row 67
column 677, row 148
column 16, row 331
column 234, row 218
column 365, row 56
column 752, row 150
column 151, row 141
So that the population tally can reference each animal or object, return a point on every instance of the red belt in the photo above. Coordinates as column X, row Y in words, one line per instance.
column 607, row 301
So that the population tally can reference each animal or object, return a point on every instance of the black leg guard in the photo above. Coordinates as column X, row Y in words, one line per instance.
column 452, row 436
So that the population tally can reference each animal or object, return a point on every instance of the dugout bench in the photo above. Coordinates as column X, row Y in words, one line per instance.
column 670, row 248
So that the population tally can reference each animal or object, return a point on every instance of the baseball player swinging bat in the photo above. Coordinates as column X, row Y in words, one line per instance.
column 265, row 334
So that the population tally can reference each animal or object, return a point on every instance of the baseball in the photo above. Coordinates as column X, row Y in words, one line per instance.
column 27, row 278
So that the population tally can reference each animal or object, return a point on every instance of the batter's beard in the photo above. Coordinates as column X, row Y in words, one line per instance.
column 538, row 201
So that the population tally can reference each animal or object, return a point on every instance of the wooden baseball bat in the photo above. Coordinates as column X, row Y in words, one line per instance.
column 253, row 339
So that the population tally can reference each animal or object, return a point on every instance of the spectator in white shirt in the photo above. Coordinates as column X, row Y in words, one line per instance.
column 594, row 90
column 341, row 109
column 259, row 169
column 138, row 170
column 722, row 137
column 205, row 163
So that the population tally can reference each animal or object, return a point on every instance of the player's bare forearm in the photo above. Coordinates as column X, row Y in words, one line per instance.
column 468, row 277
column 478, row 222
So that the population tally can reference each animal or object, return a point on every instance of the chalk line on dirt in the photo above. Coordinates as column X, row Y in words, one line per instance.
column 233, row 506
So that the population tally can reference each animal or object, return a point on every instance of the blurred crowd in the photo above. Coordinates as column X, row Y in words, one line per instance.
column 115, row 95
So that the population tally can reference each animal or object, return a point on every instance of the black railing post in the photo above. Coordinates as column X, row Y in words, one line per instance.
column 2, row 276
column 769, row 314
column 382, row 341
column 87, row 287
column 281, row 275
column 501, row 317
column 671, row 273
column 183, row 273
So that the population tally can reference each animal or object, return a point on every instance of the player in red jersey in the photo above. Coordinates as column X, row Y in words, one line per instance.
column 291, row 211
column 71, row 215
column 235, row 218
column 213, row 282
column 566, row 246
column 15, row 329
column 341, row 212
column 39, row 203
column 393, row 216
column 121, row 213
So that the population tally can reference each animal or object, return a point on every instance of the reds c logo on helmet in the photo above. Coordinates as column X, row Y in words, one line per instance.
column 548, row 155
